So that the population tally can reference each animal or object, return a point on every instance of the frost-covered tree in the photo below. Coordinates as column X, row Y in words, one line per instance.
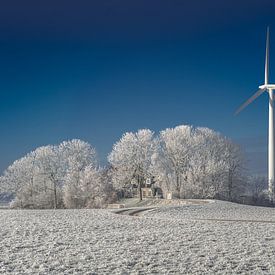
column 131, row 158
column 198, row 162
column 171, row 161
column 19, row 173
column 78, row 156
column 36, row 179
column 93, row 189
column 207, row 167
column 56, row 176
column 257, row 188
column 50, row 173
column 19, row 178
column 234, row 159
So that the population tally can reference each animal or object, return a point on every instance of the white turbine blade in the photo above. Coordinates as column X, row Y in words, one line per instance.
column 251, row 99
column 267, row 58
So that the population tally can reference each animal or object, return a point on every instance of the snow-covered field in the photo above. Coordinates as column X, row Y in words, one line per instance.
column 170, row 240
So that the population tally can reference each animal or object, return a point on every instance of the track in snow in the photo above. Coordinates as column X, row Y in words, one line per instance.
column 133, row 211
column 138, row 212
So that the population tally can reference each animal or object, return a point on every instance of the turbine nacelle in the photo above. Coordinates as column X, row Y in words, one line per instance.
column 267, row 87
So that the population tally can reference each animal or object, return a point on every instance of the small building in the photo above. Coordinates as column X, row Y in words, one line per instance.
column 147, row 192
column 148, row 189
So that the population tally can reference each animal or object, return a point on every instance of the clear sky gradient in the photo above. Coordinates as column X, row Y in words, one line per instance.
column 96, row 69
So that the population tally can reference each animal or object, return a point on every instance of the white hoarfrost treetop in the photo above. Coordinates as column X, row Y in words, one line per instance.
column 16, row 176
column 171, row 162
column 80, row 159
column 197, row 162
column 131, row 157
column 78, row 154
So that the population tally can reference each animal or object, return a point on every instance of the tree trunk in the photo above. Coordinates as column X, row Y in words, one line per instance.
column 230, row 186
column 140, row 191
column 178, row 184
column 55, row 195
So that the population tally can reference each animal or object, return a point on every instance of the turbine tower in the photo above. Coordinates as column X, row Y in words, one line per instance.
column 266, row 87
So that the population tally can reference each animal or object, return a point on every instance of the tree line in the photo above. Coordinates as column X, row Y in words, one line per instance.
column 187, row 161
column 64, row 175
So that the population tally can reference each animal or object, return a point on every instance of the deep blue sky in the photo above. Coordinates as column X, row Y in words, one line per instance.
column 95, row 69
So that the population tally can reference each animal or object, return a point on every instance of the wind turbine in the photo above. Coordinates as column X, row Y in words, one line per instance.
column 266, row 87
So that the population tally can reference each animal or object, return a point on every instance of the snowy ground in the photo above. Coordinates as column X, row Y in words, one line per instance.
column 167, row 240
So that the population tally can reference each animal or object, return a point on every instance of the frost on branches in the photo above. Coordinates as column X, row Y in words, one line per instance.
column 131, row 158
column 66, row 175
column 189, row 162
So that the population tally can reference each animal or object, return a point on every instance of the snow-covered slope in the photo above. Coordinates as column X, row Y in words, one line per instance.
column 217, row 210
column 168, row 240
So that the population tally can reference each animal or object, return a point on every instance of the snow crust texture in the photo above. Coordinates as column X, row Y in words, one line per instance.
column 169, row 240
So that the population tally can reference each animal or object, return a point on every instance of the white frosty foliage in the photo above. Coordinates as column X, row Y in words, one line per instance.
column 190, row 162
column 172, row 159
column 197, row 162
column 56, row 176
column 80, row 160
column 131, row 157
